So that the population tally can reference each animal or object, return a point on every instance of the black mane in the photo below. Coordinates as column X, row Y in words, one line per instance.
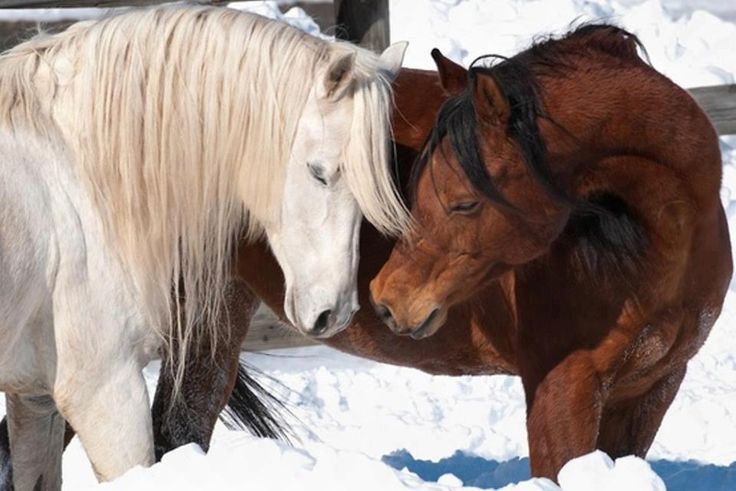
column 516, row 78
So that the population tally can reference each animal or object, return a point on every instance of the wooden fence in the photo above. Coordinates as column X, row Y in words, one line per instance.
column 367, row 22
column 360, row 21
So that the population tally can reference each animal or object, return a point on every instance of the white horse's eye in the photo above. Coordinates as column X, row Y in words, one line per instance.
column 317, row 172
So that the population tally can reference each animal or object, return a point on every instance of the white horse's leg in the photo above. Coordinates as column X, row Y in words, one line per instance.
column 36, row 432
column 111, row 415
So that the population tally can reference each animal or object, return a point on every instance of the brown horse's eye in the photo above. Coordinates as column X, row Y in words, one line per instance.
column 465, row 208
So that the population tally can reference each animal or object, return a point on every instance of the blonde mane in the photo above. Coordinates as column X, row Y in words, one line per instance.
column 174, row 116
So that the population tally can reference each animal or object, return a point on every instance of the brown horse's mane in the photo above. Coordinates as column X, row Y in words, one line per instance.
column 553, row 53
column 603, row 233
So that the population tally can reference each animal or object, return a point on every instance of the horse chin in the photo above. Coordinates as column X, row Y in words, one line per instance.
column 430, row 328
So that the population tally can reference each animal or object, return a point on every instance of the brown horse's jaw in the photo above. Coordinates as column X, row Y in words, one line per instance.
column 431, row 325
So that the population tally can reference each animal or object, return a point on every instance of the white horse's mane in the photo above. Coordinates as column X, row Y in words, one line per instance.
column 170, row 116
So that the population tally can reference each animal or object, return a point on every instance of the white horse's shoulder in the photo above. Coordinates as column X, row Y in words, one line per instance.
column 26, row 254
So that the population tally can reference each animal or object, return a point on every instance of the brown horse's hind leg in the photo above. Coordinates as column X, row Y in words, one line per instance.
column 563, row 414
column 630, row 427
column 207, row 383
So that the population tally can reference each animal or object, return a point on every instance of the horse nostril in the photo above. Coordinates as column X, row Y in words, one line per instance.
column 428, row 320
column 321, row 324
column 384, row 313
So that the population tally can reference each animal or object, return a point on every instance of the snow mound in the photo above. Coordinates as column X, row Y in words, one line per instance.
column 241, row 462
column 596, row 471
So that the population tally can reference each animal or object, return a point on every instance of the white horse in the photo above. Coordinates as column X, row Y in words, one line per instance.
column 134, row 151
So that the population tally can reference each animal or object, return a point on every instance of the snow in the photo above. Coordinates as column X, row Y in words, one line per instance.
column 275, row 466
column 597, row 471
column 52, row 15
column 694, row 50
column 364, row 425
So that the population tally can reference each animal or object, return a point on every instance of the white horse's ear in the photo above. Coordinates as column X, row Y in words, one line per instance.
column 338, row 77
column 392, row 57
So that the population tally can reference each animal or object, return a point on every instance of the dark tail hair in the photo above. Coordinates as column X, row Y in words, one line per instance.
column 254, row 408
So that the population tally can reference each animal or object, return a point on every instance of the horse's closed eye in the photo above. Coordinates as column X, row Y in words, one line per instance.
column 465, row 207
column 317, row 172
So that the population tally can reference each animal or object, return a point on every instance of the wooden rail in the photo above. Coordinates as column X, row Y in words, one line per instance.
column 362, row 21
column 719, row 103
column 268, row 332
column 365, row 22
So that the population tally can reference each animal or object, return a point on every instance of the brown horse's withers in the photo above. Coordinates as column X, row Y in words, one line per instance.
column 586, row 186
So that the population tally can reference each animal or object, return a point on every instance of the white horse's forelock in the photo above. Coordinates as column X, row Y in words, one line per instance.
column 368, row 159
column 173, row 115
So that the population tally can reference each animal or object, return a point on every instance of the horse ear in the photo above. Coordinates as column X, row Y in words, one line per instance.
column 453, row 77
column 392, row 57
column 488, row 99
column 338, row 76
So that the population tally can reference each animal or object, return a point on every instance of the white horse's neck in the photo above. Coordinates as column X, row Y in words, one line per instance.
column 171, row 139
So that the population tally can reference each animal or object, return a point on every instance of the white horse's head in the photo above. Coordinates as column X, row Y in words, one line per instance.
column 315, row 239
column 235, row 121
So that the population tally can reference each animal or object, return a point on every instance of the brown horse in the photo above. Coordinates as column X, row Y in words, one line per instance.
column 592, row 261
column 584, row 185
column 502, row 326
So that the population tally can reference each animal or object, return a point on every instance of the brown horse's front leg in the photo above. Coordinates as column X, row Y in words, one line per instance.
column 208, row 380
column 629, row 427
column 564, row 411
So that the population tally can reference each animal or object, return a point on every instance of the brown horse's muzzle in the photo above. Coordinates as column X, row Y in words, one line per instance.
column 406, row 310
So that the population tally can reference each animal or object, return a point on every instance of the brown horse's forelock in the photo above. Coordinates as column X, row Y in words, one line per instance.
column 603, row 228
column 457, row 120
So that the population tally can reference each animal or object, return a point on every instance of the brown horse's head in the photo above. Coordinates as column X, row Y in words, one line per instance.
column 483, row 202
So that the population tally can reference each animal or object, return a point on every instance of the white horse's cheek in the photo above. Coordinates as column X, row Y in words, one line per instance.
column 316, row 247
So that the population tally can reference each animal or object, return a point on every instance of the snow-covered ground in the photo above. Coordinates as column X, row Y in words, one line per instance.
column 358, row 423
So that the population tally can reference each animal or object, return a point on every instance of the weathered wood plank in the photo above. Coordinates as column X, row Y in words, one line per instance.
column 268, row 332
column 365, row 22
column 719, row 102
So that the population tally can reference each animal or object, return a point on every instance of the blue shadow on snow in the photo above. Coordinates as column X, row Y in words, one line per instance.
column 484, row 473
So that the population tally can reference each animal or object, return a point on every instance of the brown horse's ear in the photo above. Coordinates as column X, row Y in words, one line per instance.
column 490, row 103
column 453, row 77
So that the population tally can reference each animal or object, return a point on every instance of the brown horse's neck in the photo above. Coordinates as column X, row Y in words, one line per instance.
column 598, row 112
column 417, row 98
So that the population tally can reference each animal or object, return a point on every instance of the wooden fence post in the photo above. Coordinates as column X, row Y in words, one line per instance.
column 364, row 22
